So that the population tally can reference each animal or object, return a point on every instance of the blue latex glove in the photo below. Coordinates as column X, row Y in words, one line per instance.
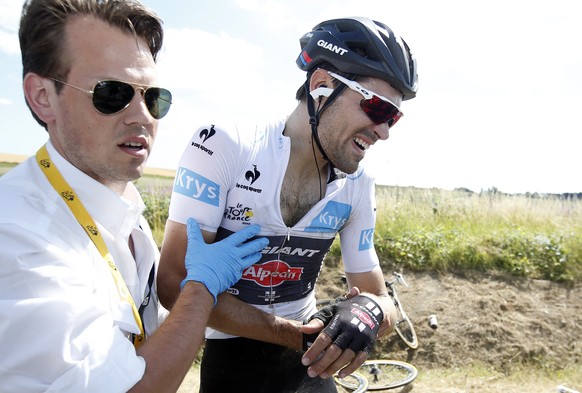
column 219, row 265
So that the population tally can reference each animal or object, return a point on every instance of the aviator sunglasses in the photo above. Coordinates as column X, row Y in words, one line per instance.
column 378, row 108
column 110, row 97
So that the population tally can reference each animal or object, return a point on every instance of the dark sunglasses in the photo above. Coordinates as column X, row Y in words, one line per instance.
column 110, row 97
column 378, row 108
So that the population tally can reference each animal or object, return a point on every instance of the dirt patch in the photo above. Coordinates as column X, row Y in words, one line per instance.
column 488, row 319
column 495, row 334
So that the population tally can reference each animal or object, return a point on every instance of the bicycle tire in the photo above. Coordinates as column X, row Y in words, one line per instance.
column 387, row 374
column 355, row 382
column 404, row 328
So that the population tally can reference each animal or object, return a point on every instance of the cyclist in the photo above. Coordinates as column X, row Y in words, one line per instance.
column 301, row 179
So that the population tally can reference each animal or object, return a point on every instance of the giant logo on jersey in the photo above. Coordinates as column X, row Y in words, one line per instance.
column 333, row 216
column 272, row 273
column 197, row 187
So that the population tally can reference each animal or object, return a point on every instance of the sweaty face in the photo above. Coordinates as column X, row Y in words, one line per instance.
column 345, row 130
column 113, row 148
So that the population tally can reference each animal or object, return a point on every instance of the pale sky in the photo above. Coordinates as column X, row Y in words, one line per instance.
column 498, row 105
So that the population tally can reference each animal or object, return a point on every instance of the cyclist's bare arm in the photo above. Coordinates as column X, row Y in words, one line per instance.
column 172, row 270
column 233, row 316
column 229, row 315
column 172, row 348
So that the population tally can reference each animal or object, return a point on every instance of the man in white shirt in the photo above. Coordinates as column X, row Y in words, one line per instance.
column 78, row 303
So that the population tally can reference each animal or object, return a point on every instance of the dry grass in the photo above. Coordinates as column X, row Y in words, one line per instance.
column 476, row 379
column 12, row 158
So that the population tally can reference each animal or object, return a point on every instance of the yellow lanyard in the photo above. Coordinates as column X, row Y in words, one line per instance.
column 86, row 221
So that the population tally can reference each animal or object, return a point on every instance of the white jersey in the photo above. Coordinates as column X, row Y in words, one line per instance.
column 229, row 178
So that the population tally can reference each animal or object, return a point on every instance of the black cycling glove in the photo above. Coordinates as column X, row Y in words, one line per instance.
column 352, row 323
column 325, row 314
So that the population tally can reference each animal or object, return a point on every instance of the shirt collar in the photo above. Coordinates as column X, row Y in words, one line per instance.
column 116, row 213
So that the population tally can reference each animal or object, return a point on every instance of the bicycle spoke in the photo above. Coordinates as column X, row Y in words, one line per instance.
column 387, row 374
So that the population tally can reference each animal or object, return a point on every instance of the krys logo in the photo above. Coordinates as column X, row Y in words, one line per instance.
column 204, row 135
column 366, row 239
column 272, row 273
column 197, row 187
column 333, row 216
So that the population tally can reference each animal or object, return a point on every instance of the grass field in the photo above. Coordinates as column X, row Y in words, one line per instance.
column 5, row 167
column 431, row 229
column 539, row 237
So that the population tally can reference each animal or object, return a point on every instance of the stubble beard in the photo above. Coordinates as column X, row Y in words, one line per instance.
column 335, row 151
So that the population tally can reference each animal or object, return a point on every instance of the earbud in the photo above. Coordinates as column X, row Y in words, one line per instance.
column 323, row 90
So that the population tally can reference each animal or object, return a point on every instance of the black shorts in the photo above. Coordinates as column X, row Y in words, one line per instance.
column 244, row 365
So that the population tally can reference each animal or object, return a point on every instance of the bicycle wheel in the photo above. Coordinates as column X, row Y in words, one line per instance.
column 404, row 328
column 355, row 382
column 387, row 374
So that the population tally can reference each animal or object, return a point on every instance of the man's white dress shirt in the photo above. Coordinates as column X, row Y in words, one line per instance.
column 63, row 327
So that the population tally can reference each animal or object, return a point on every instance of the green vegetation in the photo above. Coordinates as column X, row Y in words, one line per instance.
column 459, row 230
column 5, row 167
column 427, row 230
column 430, row 229
column 156, row 191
